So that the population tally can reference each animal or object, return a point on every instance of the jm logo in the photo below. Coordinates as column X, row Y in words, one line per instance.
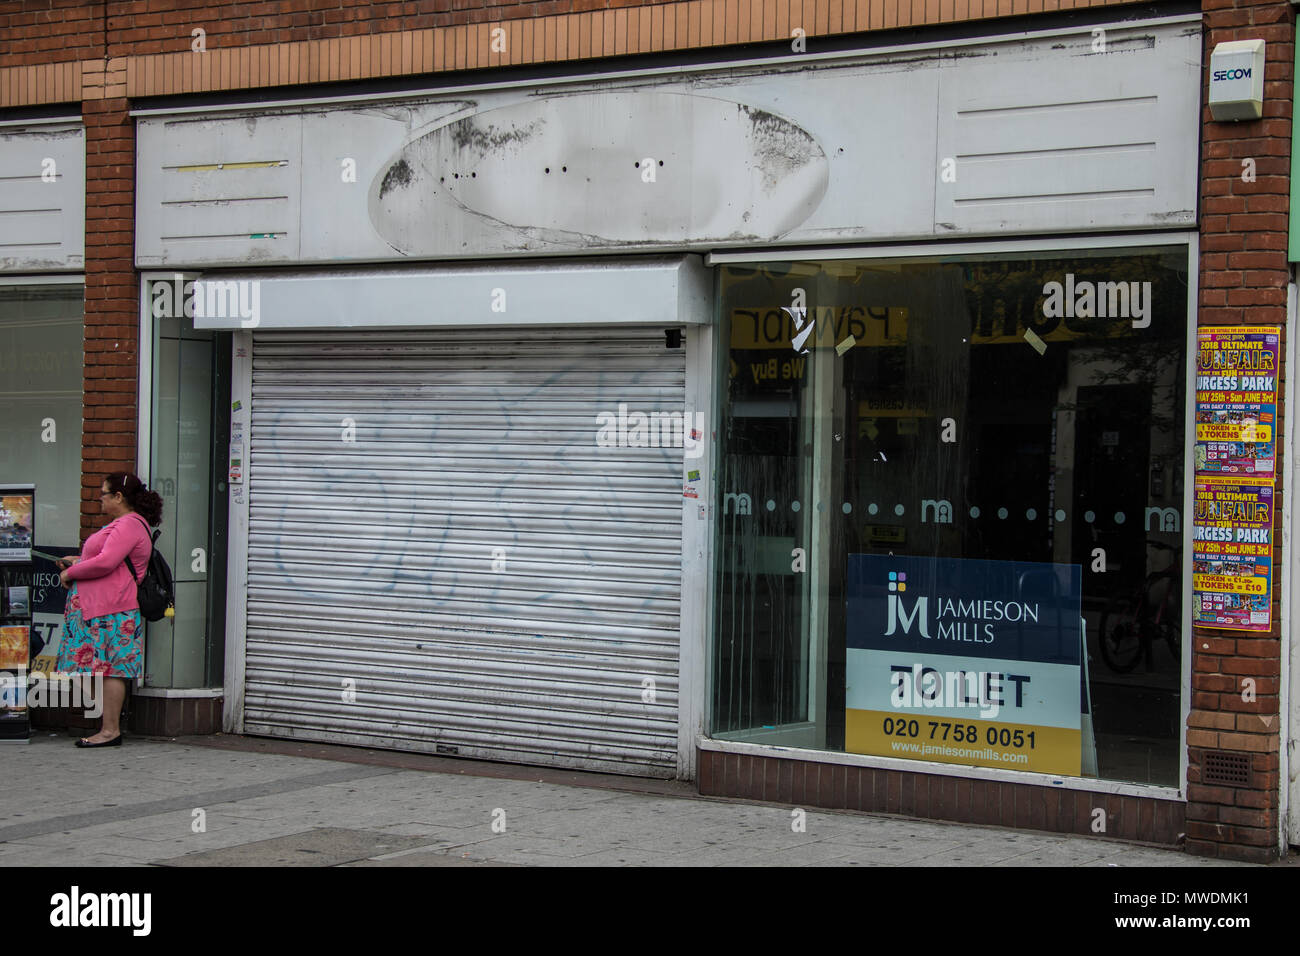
column 898, row 611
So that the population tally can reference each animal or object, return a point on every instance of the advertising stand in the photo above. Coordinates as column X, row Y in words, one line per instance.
column 17, row 531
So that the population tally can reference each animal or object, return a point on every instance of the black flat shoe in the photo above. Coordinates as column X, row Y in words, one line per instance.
column 115, row 742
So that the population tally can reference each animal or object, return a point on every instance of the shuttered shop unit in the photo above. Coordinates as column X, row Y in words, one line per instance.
column 433, row 527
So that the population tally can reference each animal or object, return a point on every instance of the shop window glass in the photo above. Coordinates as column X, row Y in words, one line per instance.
column 937, row 485
column 41, row 346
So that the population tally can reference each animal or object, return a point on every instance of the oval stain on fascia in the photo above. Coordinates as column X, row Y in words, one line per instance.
column 571, row 170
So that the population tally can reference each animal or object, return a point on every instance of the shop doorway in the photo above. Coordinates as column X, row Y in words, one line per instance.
column 189, row 444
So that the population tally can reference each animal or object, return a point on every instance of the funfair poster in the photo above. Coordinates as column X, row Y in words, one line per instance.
column 1236, row 400
column 1232, row 553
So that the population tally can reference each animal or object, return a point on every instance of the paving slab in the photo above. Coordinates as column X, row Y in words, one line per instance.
column 17, row 854
column 325, row 846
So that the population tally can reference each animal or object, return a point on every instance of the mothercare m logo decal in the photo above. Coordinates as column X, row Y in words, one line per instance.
column 76, row 909
column 235, row 299
column 898, row 611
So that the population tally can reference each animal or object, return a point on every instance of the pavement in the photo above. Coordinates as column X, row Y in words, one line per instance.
column 237, row 801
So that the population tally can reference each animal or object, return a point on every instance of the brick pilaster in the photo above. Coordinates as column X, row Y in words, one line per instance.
column 1244, row 275
column 112, row 302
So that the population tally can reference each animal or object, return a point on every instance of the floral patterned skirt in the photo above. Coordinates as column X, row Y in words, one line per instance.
column 110, row 645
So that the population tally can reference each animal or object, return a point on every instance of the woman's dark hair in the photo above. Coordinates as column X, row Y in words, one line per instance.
column 148, row 504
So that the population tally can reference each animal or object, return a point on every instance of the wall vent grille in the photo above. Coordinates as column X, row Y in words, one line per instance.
column 1229, row 770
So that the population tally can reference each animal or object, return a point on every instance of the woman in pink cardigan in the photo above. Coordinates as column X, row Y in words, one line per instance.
column 102, row 627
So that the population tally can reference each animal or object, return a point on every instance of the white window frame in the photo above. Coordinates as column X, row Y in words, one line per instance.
column 144, row 440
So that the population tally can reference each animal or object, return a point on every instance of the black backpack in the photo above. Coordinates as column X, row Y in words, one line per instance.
column 157, row 592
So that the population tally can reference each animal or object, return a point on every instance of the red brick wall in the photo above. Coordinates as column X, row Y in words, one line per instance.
column 50, row 32
column 150, row 26
column 38, row 31
column 112, row 302
column 46, row 31
column 1244, row 275
column 45, row 60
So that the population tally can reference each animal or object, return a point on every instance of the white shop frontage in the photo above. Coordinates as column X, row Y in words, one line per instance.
column 474, row 333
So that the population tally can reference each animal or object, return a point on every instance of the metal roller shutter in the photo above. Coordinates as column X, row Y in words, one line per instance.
column 491, row 582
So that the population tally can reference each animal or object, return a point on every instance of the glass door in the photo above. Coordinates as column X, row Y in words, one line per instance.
column 191, row 427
